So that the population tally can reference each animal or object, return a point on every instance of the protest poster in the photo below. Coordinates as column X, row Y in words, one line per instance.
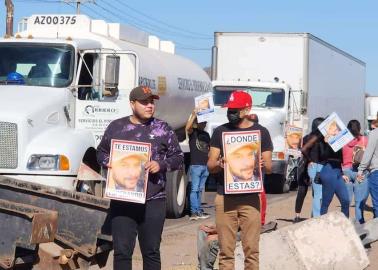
column 242, row 170
column 335, row 132
column 293, row 140
column 127, row 178
column 205, row 106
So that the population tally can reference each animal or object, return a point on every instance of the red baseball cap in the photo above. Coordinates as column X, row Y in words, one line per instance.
column 238, row 100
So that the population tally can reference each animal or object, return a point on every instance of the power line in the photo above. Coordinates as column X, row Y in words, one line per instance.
column 161, row 22
column 39, row 1
column 148, row 25
column 180, row 45
column 132, row 20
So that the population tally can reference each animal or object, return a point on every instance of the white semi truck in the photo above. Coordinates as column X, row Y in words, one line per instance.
column 76, row 77
column 371, row 110
column 293, row 78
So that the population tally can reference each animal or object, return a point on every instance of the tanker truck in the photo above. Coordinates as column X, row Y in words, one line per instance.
column 293, row 78
column 74, row 78
column 63, row 79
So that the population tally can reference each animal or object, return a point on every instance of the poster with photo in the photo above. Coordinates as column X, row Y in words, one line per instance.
column 127, row 178
column 335, row 132
column 293, row 140
column 205, row 106
column 242, row 170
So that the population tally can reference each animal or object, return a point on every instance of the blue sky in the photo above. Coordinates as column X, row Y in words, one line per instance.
column 349, row 25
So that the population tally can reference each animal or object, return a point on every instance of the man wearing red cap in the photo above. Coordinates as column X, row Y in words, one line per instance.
column 234, row 211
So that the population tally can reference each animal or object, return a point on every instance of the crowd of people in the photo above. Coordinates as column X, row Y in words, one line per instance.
column 349, row 173
column 237, row 215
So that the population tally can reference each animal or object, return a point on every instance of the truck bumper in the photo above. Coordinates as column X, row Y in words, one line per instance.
column 278, row 166
column 65, row 182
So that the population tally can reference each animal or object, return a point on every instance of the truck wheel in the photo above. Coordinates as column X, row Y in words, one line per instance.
column 176, row 193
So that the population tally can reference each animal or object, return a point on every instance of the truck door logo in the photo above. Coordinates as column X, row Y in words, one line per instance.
column 89, row 109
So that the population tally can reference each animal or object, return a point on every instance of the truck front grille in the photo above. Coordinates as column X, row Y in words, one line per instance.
column 8, row 145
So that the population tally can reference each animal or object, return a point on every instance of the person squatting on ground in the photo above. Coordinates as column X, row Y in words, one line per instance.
column 358, row 188
column 369, row 164
column 332, row 178
column 145, row 220
column 309, row 168
column 199, row 145
column 237, row 211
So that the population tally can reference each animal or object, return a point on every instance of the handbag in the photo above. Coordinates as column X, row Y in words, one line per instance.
column 358, row 153
column 317, row 179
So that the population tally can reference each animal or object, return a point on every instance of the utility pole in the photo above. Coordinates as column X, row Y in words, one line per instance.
column 78, row 3
column 9, row 18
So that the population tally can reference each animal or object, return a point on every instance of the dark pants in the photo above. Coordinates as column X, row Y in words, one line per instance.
column 130, row 220
column 301, row 195
column 333, row 183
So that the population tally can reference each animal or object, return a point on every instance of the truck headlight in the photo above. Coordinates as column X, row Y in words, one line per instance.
column 48, row 163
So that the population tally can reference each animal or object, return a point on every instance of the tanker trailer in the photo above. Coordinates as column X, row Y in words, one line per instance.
column 76, row 77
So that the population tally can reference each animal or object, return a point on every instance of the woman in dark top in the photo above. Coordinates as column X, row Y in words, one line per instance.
column 307, row 170
column 333, row 179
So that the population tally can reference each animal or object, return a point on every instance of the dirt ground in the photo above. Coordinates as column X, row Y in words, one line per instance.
column 179, row 250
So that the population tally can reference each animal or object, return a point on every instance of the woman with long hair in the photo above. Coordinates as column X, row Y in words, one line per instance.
column 309, row 167
column 357, row 188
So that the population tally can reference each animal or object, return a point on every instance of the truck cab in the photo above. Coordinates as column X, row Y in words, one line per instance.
column 44, row 115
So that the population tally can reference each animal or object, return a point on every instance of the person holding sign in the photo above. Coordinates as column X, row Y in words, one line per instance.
column 145, row 220
column 234, row 211
column 199, row 145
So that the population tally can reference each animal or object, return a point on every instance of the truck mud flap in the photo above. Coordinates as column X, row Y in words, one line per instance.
column 23, row 226
column 82, row 218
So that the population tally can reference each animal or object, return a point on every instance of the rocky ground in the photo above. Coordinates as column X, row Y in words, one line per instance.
column 179, row 250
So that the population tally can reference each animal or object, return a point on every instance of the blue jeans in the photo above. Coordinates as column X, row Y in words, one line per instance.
column 198, row 175
column 373, row 188
column 312, row 169
column 360, row 191
column 333, row 182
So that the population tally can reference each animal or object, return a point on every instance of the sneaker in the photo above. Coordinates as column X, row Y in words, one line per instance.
column 203, row 215
column 193, row 217
column 297, row 219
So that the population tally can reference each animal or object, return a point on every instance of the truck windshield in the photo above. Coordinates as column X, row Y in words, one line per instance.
column 262, row 97
column 37, row 64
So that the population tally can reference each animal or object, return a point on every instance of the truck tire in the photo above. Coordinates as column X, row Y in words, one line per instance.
column 176, row 193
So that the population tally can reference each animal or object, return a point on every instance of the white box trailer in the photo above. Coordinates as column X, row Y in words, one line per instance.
column 292, row 77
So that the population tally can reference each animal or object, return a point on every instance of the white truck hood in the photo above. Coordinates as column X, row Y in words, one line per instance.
column 19, row 102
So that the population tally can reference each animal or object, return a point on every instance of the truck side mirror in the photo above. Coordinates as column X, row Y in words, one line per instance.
column 111, row 75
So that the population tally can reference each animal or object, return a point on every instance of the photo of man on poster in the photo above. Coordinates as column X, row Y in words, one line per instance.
column 127, row 172
column 293, row 140
column 242, row 161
